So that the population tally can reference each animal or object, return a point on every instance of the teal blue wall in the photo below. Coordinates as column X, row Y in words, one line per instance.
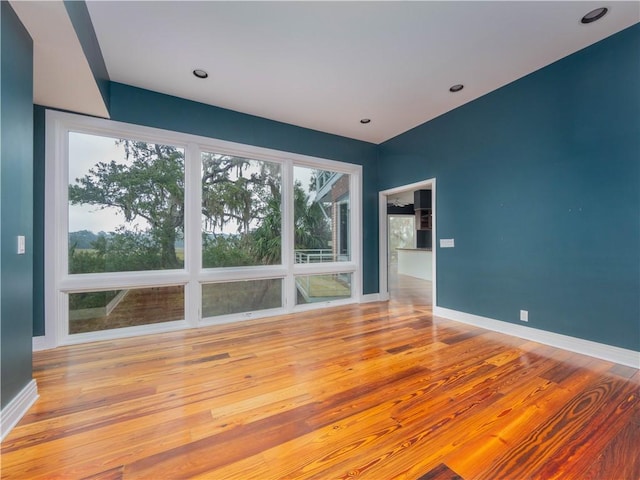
column 539, row 184
column 38, row 219
column 16, row 203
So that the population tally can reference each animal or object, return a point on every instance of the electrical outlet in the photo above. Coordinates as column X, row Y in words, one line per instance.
column 524, row 315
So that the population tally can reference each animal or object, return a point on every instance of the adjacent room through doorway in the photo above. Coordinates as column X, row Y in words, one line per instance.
column 408, row 241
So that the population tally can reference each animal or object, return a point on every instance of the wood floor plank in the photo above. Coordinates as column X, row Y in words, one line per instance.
column 341, row 441
column 441, row 472
column 605, row 424
column 612, row 463
column 545, row 440
column 380, row 390
column 111, row 474
column 424, row 443
column 525, row 407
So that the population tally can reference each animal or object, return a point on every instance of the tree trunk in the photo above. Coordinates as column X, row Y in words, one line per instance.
column 258, row 299
column 169, row 258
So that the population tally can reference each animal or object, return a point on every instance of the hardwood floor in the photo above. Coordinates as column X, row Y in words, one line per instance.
column 408, row 290
column 376, row 391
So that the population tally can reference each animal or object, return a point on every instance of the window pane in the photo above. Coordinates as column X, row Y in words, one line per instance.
column 241, row 211
column 126, row 205
column 94, row 311
column 322, row 288
column 321, row 216
column 238, row 297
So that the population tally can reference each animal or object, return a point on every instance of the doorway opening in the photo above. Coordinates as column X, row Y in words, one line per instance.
column 407, row 236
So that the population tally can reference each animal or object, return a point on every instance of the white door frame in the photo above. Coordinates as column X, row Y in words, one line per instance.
column 383, row 241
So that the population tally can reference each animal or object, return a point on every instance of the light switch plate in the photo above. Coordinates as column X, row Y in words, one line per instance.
column 21, row 245
column 447, row 243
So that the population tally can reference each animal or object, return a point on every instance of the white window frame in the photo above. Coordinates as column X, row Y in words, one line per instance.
column 58, row 283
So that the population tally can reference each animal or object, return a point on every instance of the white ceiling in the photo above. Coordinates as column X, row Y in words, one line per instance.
column 326, row 65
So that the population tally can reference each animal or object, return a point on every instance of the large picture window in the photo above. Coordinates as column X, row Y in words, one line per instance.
column 150, row 230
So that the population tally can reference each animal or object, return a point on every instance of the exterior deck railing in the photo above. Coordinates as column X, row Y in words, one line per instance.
column 314, row 255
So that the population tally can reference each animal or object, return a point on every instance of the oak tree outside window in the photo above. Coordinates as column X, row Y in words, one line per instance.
column 241, row 211
column 126, row 205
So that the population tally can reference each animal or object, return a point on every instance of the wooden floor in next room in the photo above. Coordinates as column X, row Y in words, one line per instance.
column 379, row 391
column 408, row 290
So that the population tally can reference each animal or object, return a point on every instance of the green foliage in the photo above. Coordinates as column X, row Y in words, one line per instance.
column 85, row 261
column 227, row 251
column 82, row 239
column 79, row 301
column 151, row 187
column 267, row 238
column 312, row 228
column 238, row 192
column 235, row 297
column 245, row 193
column 123, row 251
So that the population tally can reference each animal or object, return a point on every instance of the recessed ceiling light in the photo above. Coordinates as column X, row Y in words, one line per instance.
column 200, row 73
column 364, row 121
column 456, row 88
column 594, row 15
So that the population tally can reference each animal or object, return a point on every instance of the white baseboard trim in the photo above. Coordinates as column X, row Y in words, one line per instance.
column 42, row 343
column 15, row 410
column 619, row 355
column 370, row 298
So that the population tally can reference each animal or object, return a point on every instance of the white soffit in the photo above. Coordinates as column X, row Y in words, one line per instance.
column 62, row 76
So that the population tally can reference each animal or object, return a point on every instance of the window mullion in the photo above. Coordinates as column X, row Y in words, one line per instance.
column 288, row 243
column 56, row 226
column 192, row 233
column 355, row 233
